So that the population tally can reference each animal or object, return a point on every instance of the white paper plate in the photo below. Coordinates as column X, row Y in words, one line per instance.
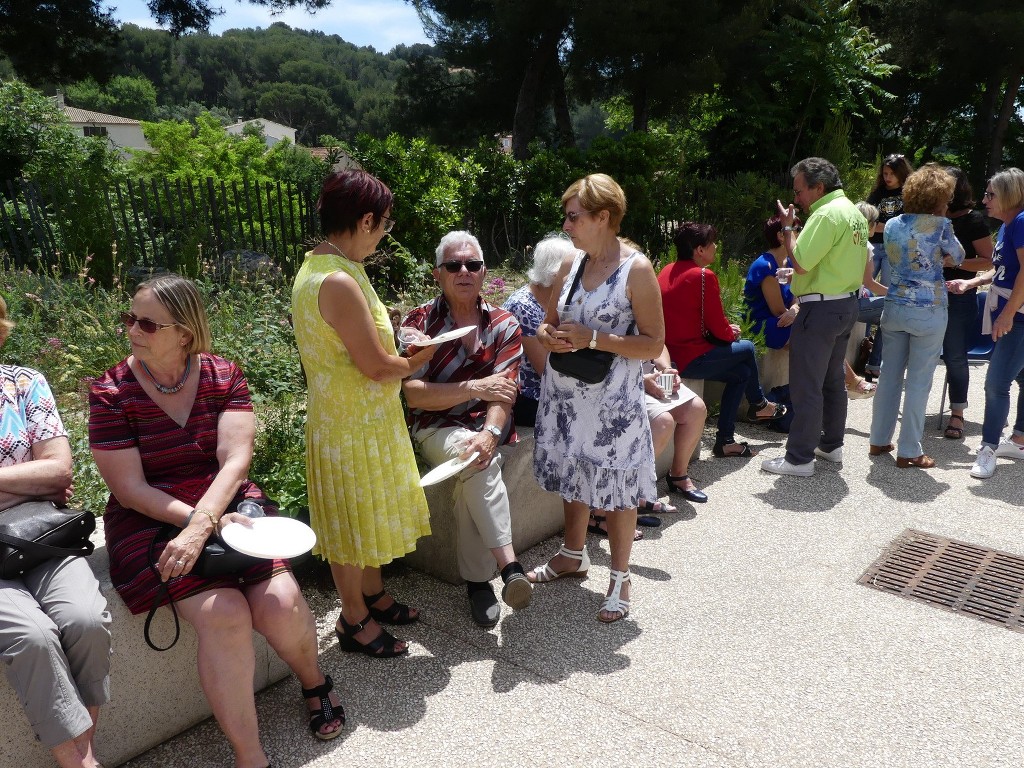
column 448, row 469
column 441, row 338
column 270, row 537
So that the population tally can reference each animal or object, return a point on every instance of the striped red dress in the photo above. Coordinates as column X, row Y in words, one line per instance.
column 180, row 461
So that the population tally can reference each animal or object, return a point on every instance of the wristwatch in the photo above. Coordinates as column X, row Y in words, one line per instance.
column 493, row 430
column 593, row 340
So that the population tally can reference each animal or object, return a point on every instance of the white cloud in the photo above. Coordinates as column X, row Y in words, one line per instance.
column 380, row 23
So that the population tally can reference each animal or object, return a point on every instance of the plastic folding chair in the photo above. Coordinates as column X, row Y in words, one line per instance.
column 979, row 351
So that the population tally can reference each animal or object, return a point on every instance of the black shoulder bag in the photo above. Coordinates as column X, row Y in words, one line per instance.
column 215, row 561
column 36, row 531
column 590, row 366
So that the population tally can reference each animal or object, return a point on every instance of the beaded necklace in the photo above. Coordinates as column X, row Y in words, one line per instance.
column 172, row 389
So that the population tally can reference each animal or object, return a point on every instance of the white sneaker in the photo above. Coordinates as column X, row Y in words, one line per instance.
column 835, row 455
column 985, row 465
column 1010, row 450
column 782, row 467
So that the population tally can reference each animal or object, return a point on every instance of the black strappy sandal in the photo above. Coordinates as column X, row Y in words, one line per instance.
column 396, row 613
column 383, row 646
column 327, row 713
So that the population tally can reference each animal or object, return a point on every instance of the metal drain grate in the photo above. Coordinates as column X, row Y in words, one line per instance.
column 960, row 577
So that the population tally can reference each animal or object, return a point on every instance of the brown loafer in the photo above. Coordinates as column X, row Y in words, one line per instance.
column 878, row 450
column 922, row 462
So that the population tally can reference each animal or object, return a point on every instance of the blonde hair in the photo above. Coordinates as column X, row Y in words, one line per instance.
column 599, row 192
column 5, row 324
column 927, row 189
column 1008, row 185
column 181, row 298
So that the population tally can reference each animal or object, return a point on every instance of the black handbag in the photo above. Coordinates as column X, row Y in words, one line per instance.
column 590, row 366
column 708, row 335
column 215, row 561
column 36, row 531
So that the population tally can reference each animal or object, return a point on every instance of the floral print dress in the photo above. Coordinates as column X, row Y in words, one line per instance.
column 593, row 441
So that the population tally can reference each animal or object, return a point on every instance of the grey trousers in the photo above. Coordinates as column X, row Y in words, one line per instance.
column 482, row 518
column 55, row 645
column 817, row 381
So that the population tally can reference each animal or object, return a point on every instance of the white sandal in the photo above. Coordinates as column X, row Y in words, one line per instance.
column 614, row 603
column 545, row 573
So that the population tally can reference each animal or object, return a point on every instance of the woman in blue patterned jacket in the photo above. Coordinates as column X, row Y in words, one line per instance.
column 918, row 243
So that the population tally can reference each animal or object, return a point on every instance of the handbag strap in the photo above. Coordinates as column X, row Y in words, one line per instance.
column 576, row 280
column 576, row 284
column 46, row 550
column 703, row 330
column 162, row 591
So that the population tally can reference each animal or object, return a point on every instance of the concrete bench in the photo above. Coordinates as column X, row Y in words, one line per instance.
column 154, row 696
column 536, row 514
column 773, row 365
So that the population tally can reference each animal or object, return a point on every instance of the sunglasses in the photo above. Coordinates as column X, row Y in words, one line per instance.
column 456, row 266
column 988, row 195
column 893, row 159
column 573, row 215
column 147, row 326
column 389, row 224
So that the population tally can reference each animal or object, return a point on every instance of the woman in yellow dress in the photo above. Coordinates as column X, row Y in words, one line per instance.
column 364, row 496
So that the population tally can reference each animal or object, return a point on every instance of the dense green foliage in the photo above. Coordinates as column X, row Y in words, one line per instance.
column 67, row 327
column 315, row 83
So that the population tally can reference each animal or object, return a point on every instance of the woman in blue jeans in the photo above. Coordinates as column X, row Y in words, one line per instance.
column 1004, row 200
column 917, row 242
column 701, row 341
column 972, row 231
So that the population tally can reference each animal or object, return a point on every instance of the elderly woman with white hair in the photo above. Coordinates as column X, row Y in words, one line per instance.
column 527, row 304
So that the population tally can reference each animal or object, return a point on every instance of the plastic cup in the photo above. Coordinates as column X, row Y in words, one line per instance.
column 783, row 275
column 406, row 338
column 667, row 382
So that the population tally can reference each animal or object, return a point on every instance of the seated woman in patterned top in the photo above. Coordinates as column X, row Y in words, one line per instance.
column 54, row 624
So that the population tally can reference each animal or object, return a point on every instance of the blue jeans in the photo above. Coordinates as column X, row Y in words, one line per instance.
column 963, row 315
column 881, row 269
column 871, row 314
column 1007, row 365
column 736, row 367
column 913, row 338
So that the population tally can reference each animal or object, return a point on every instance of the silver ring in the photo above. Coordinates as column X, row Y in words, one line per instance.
column 179, row 562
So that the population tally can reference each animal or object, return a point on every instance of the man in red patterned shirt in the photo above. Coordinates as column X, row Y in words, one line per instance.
column 460, row 403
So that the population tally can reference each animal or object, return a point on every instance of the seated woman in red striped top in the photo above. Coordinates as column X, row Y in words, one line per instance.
column 171, row 429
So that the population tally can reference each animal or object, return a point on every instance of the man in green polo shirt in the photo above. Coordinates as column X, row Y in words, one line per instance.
column 828, row 263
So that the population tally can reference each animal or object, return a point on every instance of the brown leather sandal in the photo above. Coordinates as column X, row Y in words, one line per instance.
column 921, row 462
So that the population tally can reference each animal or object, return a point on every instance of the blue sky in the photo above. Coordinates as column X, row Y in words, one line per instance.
column 380, row 23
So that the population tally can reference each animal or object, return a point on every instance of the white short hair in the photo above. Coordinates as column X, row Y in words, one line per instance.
column 868, row 211
column 547, row 259
column 457, row 237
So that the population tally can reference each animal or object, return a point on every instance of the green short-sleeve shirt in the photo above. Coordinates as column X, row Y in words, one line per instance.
column 832, row 247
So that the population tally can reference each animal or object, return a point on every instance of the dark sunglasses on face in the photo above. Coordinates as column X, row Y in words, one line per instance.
column 147, row 326
column 389, row 224
column 456, row 266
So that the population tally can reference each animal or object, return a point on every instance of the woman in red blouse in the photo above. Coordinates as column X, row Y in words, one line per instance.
column 711, row 349
column 171, row 429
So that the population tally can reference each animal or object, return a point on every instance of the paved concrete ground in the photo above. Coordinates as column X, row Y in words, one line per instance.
column 749, row 643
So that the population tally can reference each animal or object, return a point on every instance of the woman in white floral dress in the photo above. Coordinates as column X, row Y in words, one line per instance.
column 593, row 441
